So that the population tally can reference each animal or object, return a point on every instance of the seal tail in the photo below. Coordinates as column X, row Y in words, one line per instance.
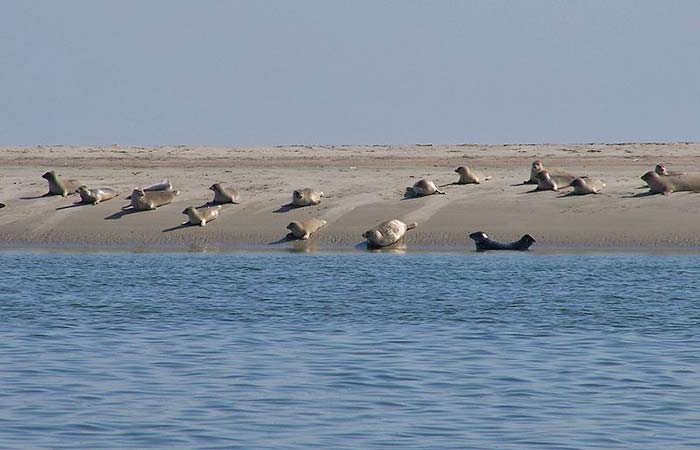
column 411, row 225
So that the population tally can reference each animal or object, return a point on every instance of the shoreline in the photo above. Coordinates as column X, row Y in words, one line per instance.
column 363, row 186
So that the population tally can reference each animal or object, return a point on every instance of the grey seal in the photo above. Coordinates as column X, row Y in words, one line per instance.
column 200, row 216
column 95, row 196
column 387, row 233
column 303, row 229
column 483, row 242
column 60, row 186
column 224, row 195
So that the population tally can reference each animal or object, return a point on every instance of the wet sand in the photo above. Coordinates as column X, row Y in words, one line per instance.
column 363, row 185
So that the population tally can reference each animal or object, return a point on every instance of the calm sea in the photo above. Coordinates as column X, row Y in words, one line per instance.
column 356, row 351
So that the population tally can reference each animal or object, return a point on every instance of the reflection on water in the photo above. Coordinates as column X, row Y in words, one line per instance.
column 355, row 350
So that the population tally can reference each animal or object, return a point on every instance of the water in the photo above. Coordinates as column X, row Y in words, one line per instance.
column 360, row 350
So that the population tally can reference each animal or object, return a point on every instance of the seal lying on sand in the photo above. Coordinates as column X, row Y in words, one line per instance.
column 483, row 242
column 60, row 186
column 537, row 166
column 95, row 196
column 466, row 176
column 583, row 186
column 666, row 184
column 200, row 216
column 387, row 233
column 149, row 200
column 164, row 185
column 422, row 188
column 224, row 195
column 306, row 197
column 303, row 229
column 548, row 182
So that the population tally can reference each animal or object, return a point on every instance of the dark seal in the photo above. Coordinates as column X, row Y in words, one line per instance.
column 483, row 243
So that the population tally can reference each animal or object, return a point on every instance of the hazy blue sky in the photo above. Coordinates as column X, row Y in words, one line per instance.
column 296, row 72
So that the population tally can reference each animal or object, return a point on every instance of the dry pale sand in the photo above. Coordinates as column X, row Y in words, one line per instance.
column 363, row 185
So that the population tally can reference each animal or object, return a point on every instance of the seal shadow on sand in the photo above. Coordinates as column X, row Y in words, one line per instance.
column 642, row 194
column 125, row 211
column 285, row 208
column 48, row 194
column 289, row 237
column 178, row 227
column 73, row 205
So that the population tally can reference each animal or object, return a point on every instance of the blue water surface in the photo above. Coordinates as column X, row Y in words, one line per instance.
column 355, row 350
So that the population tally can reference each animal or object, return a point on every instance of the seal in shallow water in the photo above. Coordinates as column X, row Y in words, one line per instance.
column 224, row 195
column 95, row 196
column 303, row 229
column 306, row 197
column 60, row 186
column 387, row 233
column 421, row 188
column 200, row 216
column 583, row 186
column 666, row 184
column 149, row 200
column 483, row 242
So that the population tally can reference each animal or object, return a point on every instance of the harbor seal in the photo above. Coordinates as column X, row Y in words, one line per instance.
column 421, row 188
column 660, row 184
column 661, row 170
column 583, row 186
column 95, row 196
column 466, row 176
column 306, row 197
column 483, row 242
column 164, row 185
column 200, row 216
column 548, row 182
column 60, row 186
column 303, row 229
column 149, row 200
column 224, row 195
column 537, row 166
column 387, row 233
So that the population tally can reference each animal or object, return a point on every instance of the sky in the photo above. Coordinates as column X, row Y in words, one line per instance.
column 265, row 72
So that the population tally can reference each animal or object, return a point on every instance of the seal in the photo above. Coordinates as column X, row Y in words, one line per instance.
column 60, row 186
column 549, row 182
column 537, row 166
column 306, row 197
column 224, row 195
column 149, row 200
column 164, row 185
column 661, row 170
column 583, row 186
column 200, row 216
column 95, row 196
column 303, row 229
column 387, row 233
column 421, row 188
column 483, row 243
column 666, row 184
column 466, row 176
